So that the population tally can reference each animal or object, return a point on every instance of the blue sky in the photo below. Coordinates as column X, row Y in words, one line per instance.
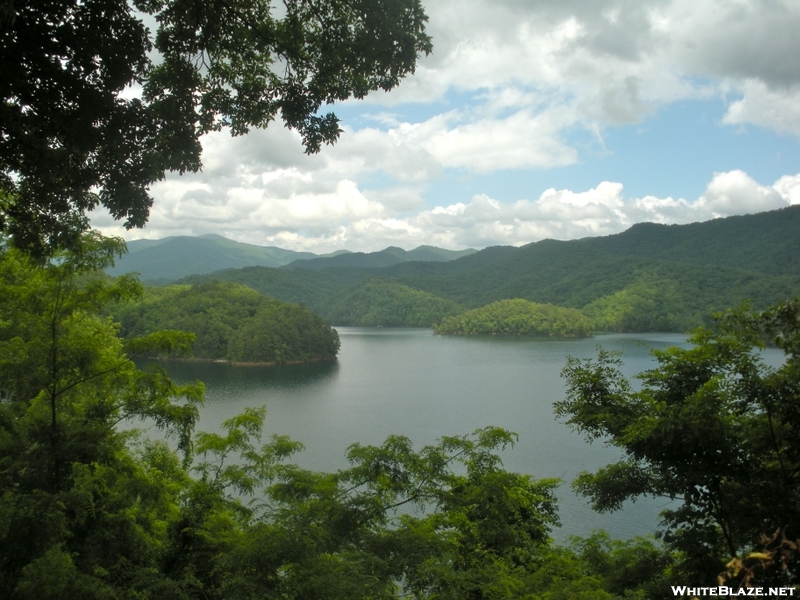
column 531, row 119
column 671, row 153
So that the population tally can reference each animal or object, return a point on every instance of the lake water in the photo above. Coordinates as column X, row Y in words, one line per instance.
column 414, row 383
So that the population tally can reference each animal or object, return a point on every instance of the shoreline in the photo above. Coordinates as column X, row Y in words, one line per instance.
column 224, row 361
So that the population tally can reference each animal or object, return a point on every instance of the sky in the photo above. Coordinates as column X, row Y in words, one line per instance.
column 531, row 119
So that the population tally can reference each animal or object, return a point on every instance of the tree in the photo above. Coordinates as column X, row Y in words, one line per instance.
column 712, row 428
column 74, row 503
column 72, row 138
column 482, row 532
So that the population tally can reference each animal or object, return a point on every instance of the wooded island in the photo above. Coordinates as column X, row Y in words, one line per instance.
column 518, row 317
column 231, row 322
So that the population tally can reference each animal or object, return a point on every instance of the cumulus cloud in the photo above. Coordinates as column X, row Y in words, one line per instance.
column 615, row 61
column 736, row 193
column 778, row 110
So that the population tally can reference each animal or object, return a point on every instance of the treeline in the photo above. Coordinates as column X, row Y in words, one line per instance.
column 518, row 317
column 629, row 282
column 380, row 303
column 231, row 322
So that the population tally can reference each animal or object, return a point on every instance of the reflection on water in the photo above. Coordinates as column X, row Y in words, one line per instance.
column 248, row 377
column 413, row 383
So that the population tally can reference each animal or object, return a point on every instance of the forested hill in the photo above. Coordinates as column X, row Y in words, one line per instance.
column 384, row 258
column 174, row 257
column 231, row 322
column 670, row 281
column 767, row 242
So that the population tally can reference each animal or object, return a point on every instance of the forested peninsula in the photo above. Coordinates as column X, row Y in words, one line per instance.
column 231, row 322
column 518, row 317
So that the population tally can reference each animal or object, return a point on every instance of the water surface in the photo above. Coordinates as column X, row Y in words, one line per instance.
column 414, row 383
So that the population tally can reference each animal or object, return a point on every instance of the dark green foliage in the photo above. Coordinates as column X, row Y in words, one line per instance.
column 518, row 317
column 636, row 568
column 232, row 322
column 280, row 332
column 679, row 297
column 575, row 275
column 765, row 242
column 318, row 290
column 377, row 303
column 70, row 140
column 711, row 427
column 80, row 516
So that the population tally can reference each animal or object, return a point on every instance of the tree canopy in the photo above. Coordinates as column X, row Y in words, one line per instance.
column 714, row 429
column 231, row 322
column 74, row 134
column 382, row 303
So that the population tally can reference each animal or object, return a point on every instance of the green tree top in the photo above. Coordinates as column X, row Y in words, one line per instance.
column 518, row 317
column 70, row 140
column 712, row 428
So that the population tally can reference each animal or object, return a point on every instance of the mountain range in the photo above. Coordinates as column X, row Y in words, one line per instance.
column 649, row 277
column 171, row 258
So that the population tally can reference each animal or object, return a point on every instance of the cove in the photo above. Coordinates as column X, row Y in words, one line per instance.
column 413, row 383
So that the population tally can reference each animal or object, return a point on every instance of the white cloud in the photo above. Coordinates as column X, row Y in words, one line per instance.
column 522, row 140
column 735, row 193
column 346, row 217
column 778, row 110
column 789, row 188
column 616, row 62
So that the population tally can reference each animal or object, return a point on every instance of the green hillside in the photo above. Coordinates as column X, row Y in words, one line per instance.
column 381, row 303
column 319, row 290
column 650, row 277
column 767, row 242
column 575, row 275
column 171, row 258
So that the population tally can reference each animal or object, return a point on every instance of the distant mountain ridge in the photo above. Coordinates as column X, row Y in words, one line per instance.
column 172, row 258
column 384, row 258
column 178, row 256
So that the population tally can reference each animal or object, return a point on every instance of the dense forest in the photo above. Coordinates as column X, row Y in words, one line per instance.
column 383, row 258
column 518, row 317
column 381, row 303
column 231, row 322
column 649, row 278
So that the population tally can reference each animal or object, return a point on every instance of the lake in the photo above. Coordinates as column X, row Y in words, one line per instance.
column 414, row 383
